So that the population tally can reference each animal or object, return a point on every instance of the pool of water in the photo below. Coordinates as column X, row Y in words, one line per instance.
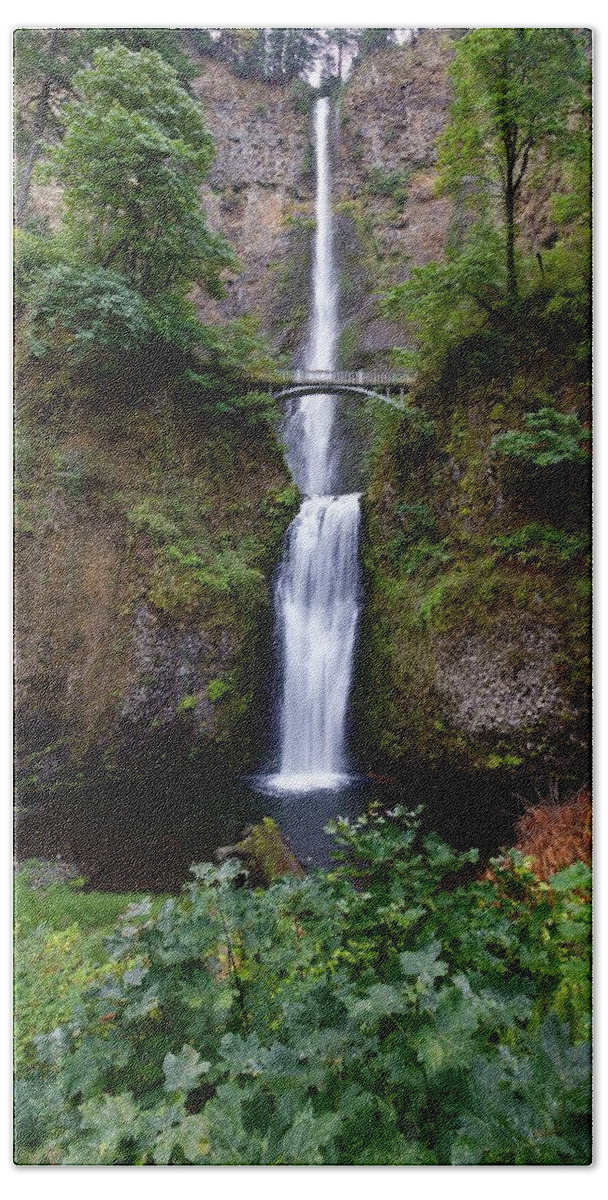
column 125, row 834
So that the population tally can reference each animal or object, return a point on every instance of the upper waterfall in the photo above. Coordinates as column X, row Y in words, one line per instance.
column 309, row 426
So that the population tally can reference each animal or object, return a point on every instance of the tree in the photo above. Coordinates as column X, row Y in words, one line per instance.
column 275, row 54
column 166, row 42
column 133, row 158
column 369, row 41
column 515, row 91
column 290, row 52
column 46, row 61
column 340, row 46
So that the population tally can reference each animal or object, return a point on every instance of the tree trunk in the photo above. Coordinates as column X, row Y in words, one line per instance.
column 25, row 181
column 40, row 120
column 510, row 222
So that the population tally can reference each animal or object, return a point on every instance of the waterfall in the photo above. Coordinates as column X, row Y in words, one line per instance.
column 318, row 582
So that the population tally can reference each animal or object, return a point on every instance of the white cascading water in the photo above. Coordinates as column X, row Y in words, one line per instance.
column 318, row 582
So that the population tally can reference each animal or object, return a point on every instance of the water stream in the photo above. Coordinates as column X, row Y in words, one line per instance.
column 317, row 590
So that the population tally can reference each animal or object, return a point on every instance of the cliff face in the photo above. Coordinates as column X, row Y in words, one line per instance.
column 393, row 109
column 147, row 537
column 466, row 655
column 260, row 195
column 146, row 542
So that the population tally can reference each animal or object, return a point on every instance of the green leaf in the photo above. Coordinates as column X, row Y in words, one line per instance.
column 182, row 1071
column 573, row 878
column 423, row 963
column 380, row 1000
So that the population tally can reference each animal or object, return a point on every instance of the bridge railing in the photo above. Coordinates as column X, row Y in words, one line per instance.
column 360, row 378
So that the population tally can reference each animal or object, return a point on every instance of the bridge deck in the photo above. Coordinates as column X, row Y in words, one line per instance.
column 370, row 379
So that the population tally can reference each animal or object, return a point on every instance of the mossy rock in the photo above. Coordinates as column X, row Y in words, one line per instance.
column 265, row 854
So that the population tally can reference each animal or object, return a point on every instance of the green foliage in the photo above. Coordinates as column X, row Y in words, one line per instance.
column 550, row 438
column 186, row 579
column 515, row 86
column 424, row 555
column 92, row 306
column 59, row 951
column 191, row 568
column 446, row 302
column 370, row 41
column 391, row 1010
column 520, row 105
column 165, row 42
column 414, row 549
column 32, row 255
column 118, row 275
column 541, row 543
column 61, row 905
column 302, row 95
column 514, row 92
column 229, row 354
column 288, row 497
column 389, row 183
column 133, row 157
column 277, row 55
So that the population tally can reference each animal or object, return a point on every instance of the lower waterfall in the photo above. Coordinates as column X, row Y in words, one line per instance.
column 317, row 602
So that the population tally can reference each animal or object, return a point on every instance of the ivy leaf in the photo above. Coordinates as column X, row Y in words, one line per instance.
column 191, row 1135
column 182, row 1071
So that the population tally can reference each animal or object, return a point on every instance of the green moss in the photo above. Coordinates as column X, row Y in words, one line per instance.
column 270, row 856
column 495, row 761
column 217, row 689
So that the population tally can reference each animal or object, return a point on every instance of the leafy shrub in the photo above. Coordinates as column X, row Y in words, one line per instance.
column 537, row 542
column 549, row 439
column 392, row 1010
column 32, row 255
column 389, row 183
column 60, row 949
column 217, row 689
column 447, row 304
column 94, row 307
column 231, row 356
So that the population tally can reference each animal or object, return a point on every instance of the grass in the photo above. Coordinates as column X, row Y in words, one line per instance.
column 60, row 933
